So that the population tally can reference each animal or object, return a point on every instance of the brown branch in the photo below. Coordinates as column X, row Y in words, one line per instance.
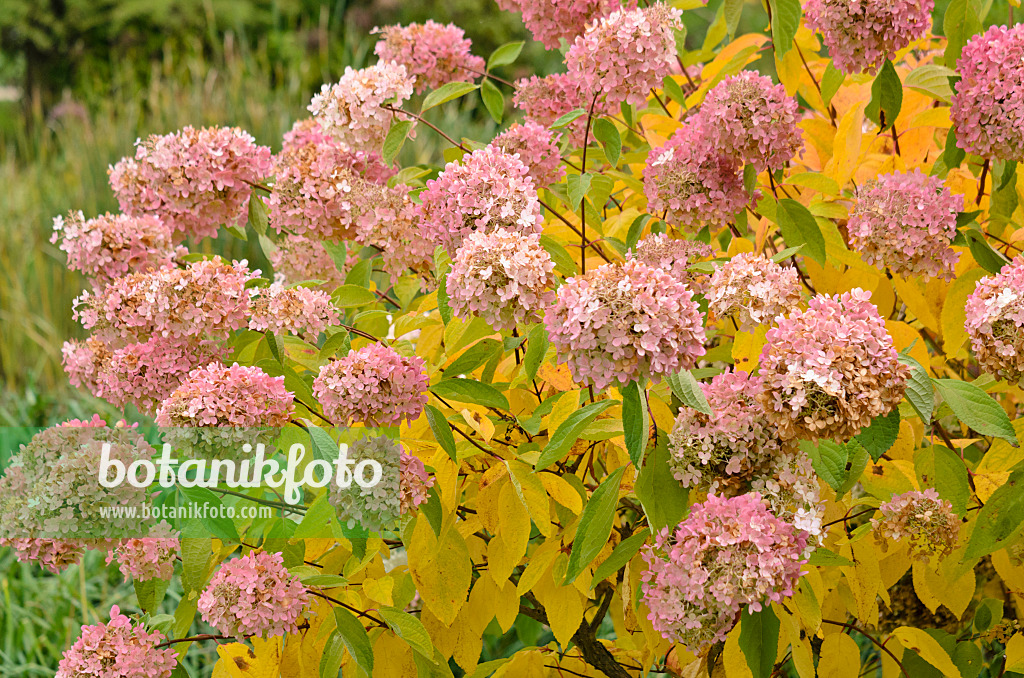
column 594, row 652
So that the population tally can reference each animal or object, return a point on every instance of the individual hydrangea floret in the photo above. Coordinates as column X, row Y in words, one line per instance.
column 860, row 35
column 750, row 117
column 435, row 54
column 398, row 234
column 353, row 109
column 922, row 519
column 298, row 310
column 693, row 183
column 114, row 245
column 988, row 102
column 753, row 290
column 625, row 54
column 505, row 278
column 379, row 506
column 299, row 259
column 552, row 21
column 621, row 323
column 727, row 555
column 829, row 370
column 118, row 649
column 546, row 99
column 145, row 558
column 375, row 385
column 537, row 148
column 995, row 321
column 55, row 555
column 414, row 483
column 487, row 190
column 254, row 596
column 195, row 179
column 906, row 221
column 674, row 256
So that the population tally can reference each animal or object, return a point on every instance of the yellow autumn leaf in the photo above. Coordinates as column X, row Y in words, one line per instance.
column 392, row 657
column 508, row 546
column 934, row 589
column 263, row 660
column 561, row 491
column 564, row 606
column 846, row 147
column 1015, row 653
column 733, row 659
column 840, row 657
column 746, row 348
column 929, row 649
column 954, row 336
column 441, row 568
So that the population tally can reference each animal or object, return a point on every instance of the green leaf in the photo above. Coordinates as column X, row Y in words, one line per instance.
column 443, row 306
column 976, row 408
column 473, row 357
column 536, row 348
column 447, row 92
column 785, row 22
column 960, row 22
column 595, row 526
column 220, row 527
column 324, row 446
column 578, row 185
column 798, row 227
column 932, row 80
column 919, row 391
column 564, row 263
column 664, row 500
column 999, row 520
column 359, row 274
column 831, row 81
column 988, row 614
column 333, row 655
column 318, row 519
column 150, row 593
column 673, row 90
column 759, row 640
column 822, row 557
column 987, row 258
column 636, row 229
column 838, row 465
column 258, row 214
column 952, row 155
column 408, row 628
column 733, row 11
column 886, row 97
column 352, row 296
column 353, row 635
column 688, row 390
column 877, row 438
column 620, row 555
column 471, row 391
column 634, row 421
column 494, row 100
column 786, row 254
column 237, row 232
column 608, row 134
column 442, row 431
column 943, row 469
column 569, row 432
column 505, row 55
column 567, row 118
column 395, row 139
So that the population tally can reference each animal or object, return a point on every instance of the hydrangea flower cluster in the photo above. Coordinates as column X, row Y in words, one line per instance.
column 55, row 555
column 728, row 554
column 298, row 259
column 537, row 148
column 118, row 649
column 352, row 110
column 860, row 35
column 753, row 290
column 674, row 256
column 749, row 117
column 433, row 53
column 620, row 323
column 789, row 486
column 145, row 558
column 552, row 21
column 829, row 370
column 692, row 182
column 546, row 99
column 988, row 103
column 906, row 221
column 923, row 519
column 729, row 446
column 488, row 190
column 111, row 246
column 206, row 297
column 195, row 179
column 625, row 54
column 374, row 385
column 254, row 595
column 505, row 278
column 298, row 310
column 995, row 321
column 413, row 484
column 367, row 164
column 398, row 234
column 377, row 507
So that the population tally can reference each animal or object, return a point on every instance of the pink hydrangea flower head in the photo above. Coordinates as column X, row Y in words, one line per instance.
column 353, row 109
column 375, row 507
column 145, row 558
column 55, row 555
column 552, row 21
column 620, row 323
column 922, row 519
column 625, row 54
column 537, row 148
column 299, row 259
column 118, row 649
column 297, row 310
column 307, row 132
column 84, row 361
column 829, row 370
column 906, row 221
column 304, row 132
column 988, row 102
column 546, row 99
column 433, row 53
column 674, row 256
column 398, row 234
column 749, row 117
column 375, row 385
column 789, row 486
column 692, row 182
column 235, row 396
column 753, row 290
column 995, row 322
column 726, row 448
column 727, row 555
column 194, row 179
column 414, row 483
column 254, row 596
column 860, row 34
column 487, row 190
column 504, row 277
column 111, row 246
